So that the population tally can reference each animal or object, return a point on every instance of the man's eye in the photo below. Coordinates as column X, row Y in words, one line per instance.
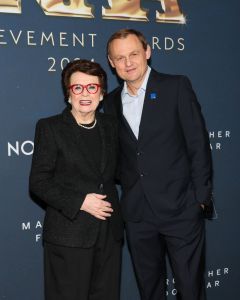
column 119, row 59
column 134, row 54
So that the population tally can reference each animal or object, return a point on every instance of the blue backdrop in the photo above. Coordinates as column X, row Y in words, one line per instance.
column 196, row 38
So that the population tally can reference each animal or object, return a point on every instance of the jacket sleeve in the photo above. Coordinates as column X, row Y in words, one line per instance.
column 197, row 141
column 42, row 180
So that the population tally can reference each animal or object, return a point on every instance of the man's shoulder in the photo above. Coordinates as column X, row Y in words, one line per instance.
column 173, row 81
column 112, row 100
column 115, row 92
column 165, row 76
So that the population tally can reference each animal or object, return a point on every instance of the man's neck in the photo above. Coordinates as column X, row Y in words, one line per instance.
column 134, row 86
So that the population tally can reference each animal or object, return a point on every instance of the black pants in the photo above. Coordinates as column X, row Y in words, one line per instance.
column 84, row 274
column 183, row 238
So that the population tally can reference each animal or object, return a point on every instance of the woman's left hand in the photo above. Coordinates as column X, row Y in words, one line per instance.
column 95, row 205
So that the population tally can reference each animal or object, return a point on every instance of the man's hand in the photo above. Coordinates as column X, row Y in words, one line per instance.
column 95, row 205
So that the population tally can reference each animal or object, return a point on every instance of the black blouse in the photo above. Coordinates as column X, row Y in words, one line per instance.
column 92, row 139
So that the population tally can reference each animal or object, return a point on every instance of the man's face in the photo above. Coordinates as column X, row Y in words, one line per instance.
column 129, row 58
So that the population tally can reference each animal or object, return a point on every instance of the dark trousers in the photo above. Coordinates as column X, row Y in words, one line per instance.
column 84, row 274
column 182, row 238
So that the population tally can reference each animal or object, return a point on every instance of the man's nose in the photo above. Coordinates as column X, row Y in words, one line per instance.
column 128, row 61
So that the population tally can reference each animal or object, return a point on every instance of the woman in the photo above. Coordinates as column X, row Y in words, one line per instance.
column 72, row 171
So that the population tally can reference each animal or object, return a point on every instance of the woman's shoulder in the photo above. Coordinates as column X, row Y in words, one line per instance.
column 51, row 120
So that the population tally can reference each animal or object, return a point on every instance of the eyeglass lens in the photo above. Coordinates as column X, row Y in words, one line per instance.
column 91, row 88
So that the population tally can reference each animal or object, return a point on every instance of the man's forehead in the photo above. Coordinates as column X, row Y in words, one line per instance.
column 132, row 37
column 124, row 45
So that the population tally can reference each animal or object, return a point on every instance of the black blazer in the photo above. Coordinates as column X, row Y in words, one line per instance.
column 62, row 174
column 170, row 163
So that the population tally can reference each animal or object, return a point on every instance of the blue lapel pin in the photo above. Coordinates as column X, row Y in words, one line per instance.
column 153, row 96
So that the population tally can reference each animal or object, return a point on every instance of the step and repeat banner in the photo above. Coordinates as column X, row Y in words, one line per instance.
column 37, row 38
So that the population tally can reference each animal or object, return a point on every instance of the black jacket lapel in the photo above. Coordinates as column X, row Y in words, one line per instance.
column 153, row 94
column 123, row 120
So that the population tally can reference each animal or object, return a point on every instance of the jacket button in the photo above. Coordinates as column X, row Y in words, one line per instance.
column 100, row 186
column 142, row 175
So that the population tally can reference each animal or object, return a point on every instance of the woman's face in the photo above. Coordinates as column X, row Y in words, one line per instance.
column 84, row 97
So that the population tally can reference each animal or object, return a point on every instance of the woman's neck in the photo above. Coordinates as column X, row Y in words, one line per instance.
column 83, row 118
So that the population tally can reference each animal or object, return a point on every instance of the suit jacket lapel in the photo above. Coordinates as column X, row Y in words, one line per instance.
column 123, row 120
column 153, row 90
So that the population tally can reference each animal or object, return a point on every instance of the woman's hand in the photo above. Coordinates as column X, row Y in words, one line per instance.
column 95, row 205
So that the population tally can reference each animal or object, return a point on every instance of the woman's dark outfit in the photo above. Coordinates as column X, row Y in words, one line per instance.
column 81, row 253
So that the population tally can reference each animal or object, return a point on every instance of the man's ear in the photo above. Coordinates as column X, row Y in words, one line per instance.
column 111, row 62
column 148, row 52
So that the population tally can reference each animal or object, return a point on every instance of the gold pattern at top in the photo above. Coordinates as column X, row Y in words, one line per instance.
column 10, row 6
column 75, row 8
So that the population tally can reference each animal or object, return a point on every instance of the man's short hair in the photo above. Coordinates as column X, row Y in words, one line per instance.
column 123, row 33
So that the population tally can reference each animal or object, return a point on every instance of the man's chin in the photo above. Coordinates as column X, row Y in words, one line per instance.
column 131, row 79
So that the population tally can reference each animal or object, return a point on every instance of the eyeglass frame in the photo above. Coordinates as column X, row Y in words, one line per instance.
column 84, row 87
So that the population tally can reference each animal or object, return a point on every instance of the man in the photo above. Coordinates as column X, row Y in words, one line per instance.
column 165, row 169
